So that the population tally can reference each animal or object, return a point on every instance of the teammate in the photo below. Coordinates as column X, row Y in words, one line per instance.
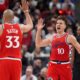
column 59, row 67
column 10, row 43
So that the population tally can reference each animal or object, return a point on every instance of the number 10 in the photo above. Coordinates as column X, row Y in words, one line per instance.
column 60, row 51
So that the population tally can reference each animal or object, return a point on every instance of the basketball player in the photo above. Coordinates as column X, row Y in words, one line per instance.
column 10, row 43
column 59, row 67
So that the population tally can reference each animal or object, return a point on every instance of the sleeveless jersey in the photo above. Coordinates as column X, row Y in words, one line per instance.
column 60, row 48
column 11, row 40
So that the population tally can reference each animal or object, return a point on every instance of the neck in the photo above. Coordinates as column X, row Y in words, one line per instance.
column 61, row 33
column 6, row 21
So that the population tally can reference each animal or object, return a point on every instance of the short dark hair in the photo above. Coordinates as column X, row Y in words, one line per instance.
column 63, row 18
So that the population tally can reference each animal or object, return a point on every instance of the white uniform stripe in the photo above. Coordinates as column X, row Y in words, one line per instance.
column 10, row 58
column 60, row 62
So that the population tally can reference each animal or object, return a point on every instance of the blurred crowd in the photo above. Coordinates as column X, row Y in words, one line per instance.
column 35, row 60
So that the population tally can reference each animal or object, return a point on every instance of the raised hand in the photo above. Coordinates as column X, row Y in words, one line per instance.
column 40, row 24
column 24, row 6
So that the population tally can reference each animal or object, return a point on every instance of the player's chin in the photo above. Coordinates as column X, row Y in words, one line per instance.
column 58, row 30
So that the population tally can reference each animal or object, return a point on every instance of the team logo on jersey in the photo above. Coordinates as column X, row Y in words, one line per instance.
column 50, row 78
column 58, row 43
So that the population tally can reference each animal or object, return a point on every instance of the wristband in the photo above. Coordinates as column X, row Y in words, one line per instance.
column 26, row 11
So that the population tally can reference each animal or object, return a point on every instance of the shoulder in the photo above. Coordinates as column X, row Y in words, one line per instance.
column 52, row 37
column 21, row 25
column 71, row 38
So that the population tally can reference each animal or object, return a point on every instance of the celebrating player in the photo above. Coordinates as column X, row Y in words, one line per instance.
column 59, row 67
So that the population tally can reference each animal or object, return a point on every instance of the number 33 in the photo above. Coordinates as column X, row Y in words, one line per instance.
column 11, row 43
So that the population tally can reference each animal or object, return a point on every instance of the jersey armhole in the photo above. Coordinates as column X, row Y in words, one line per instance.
column 2, row 26
column 67, row 40
column 1, row 29
column 21, row 25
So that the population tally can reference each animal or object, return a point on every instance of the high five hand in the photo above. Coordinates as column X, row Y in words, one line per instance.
column 24, row 6
column 40, row 24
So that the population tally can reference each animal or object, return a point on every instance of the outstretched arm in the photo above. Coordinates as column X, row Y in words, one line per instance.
column 73, row 41
column 29, row 24
column 41, row 42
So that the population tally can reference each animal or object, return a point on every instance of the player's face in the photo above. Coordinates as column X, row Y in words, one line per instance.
column 60, row 26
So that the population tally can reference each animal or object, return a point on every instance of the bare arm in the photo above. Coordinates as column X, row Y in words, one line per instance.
column 1, row 29
column 41, row 42
column 73, row 41
column 29, row 24
column 72, row 56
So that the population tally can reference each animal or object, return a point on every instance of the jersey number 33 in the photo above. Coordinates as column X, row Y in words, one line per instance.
column 14, row 44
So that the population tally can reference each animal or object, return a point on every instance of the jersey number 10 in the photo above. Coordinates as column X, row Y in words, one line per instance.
column 60, row 50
